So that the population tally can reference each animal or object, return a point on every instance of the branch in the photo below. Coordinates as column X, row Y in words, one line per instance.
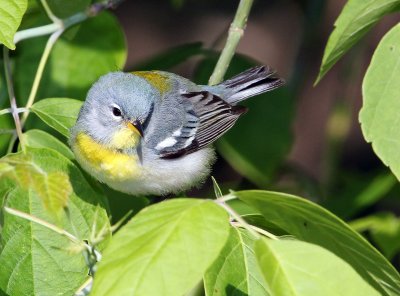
column 236, row 31
column 63, row 24
column 11, row 94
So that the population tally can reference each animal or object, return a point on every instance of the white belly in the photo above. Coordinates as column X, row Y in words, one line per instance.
column 163, row 176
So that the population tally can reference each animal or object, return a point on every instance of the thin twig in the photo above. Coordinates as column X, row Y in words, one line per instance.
column 36, row 32
column 227, row 197
column 235, row 34
column 10, row 110
column 11, row 94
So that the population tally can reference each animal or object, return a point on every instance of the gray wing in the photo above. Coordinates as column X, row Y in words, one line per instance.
column 206, row 118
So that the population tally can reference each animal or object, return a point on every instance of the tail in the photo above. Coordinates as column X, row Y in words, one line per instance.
column 250, row 83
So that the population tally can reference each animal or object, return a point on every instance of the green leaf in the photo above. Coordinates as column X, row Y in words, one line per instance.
column 172, row 57
column 64, row 9
column 40, row 139
column 295, row 268
column 236, row 272
column 311, row 223
column 11, row 12
column 35, row 260
column 255, row 153
column 53, row 188
column 59, row 113
column 355, row 20
column 164, row 250
column 77, row 60
column 383, row 229
column 381, row 93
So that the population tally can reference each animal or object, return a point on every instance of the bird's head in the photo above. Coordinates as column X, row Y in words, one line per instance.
column 117, row 108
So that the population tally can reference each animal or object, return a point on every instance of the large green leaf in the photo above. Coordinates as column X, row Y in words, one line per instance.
column 260, row 140
column 381, row 100
column 164, row 250
column 11, row 12
column 40, row 139
column 356, row 19
column 78, row 59
column 311, row 223
column 35, row 260
column 236, row 272
column 294, row 268
column 59, row 113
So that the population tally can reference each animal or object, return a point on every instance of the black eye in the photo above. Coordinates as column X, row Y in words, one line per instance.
column 116, row 112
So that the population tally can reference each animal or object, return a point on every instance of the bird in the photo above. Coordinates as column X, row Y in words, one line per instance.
column 151, row 132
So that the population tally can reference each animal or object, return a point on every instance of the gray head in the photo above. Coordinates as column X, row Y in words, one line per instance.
column 115, row 109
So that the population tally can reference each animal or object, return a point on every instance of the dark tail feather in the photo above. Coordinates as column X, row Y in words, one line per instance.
column 251, row 82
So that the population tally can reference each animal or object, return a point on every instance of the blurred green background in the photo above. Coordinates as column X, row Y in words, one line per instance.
column 300, row 139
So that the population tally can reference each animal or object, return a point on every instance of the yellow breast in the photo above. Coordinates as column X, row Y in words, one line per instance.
column 104, row 163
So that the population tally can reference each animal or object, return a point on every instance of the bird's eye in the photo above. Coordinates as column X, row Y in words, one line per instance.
column 116, row 112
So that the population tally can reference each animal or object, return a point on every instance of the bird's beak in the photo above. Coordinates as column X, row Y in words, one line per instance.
column 136, row 127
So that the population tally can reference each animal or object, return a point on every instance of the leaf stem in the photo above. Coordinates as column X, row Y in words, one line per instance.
column 11, row 94
column 236, row 31
column 36, row 32
column 238, row 218
column 49, row 13
column 259, row 230
column 39, row 73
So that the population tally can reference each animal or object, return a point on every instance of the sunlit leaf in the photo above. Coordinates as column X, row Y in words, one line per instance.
column 40, row 139
column 11, row 12
column 59, row 113
column 35, row 260
column 309, row 222
column 163, row 250
column 52, row 187
column 381, row 100
column 236, row 272
column 294, row 268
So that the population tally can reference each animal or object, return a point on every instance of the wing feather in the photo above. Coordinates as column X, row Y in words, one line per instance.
column 208, row 117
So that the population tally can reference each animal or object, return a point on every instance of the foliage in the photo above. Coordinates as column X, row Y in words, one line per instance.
column 55, row 220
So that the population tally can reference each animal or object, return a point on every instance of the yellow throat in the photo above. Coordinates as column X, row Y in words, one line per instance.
column 106, row 163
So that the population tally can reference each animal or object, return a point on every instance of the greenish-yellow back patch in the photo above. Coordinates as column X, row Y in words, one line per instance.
column 158, row 80
column 104, row 162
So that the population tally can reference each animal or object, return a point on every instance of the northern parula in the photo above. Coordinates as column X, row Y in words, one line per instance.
column 149, row 132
